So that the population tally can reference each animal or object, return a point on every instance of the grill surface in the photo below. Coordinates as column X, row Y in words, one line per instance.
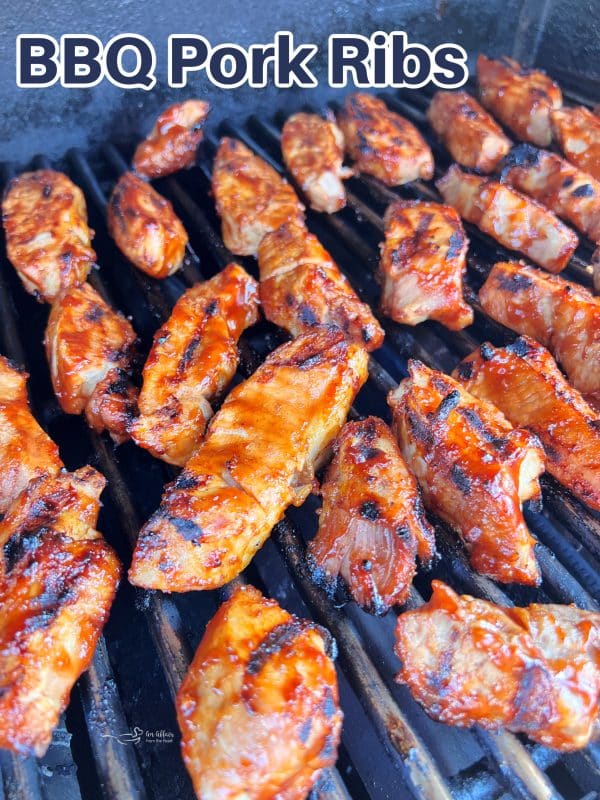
column 389, row 746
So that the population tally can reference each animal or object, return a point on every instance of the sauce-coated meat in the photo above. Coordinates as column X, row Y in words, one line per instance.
column 524, row 382
column 193, row 358
column 533, row 670
column 562, row 316
column 509, row 217
column 258, row 709
column 48, row 240
column 145, row 227
column 423, row 261
column 474, row 468
column 259, row 456
column 521, row 98
column 577, row 132
column 372, row 525
column 301, row 286
column 252, row 199
column 313, row 150
column 90, row 350
column 173, row 141
column 471, row 135
column 382, row 143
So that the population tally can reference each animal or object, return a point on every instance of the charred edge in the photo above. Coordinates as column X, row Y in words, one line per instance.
column 212, row 308
column 514, row 283
column 455, row 244
column 184, row 481
column 187, row 528
column 20, row 545
column 273, row 643
column 419, row 429
column 95, row 313
column 487, row 351
column 306, row 315
column 447, row 405
column 460, row 479
column 519, row 347
column 586, row 190
column 370, row 510
column 465, row 370
column 188, row 353
column 523, row 155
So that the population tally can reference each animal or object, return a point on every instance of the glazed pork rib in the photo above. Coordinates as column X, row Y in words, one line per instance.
column 193, row 358
column 382, row 143
column 509, row 217
column 252, row 199
column 524, row 382
column 423, row 261
column 58, row 577
column 533, row 670
column 471, row 135
column 258, row 709
column 301, row 286
column 562, row 316
column 571, row 194
column 145, row 227
column 48, row 240
column 522, row 99
column 91, row 350
column 372, row 525
column 474, row 468
column 259, row 456
column 26, row 450
column 313, row 151
column 173, row 141
column 577, row 133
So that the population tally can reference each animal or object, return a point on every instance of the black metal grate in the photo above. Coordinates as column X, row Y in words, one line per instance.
column 389, row 745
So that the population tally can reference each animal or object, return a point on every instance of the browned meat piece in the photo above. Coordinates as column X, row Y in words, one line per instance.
column 523, row 381
column 173, row 141
column 471, row 135
column 474, row 468
column 313, row 150
column 258, row 708
column 48, row 240
column 571, row 194
column 193, row 358
column 423, row 261
column 145, row 227
column 58, row 579
column 382, row 143
column 252, row 199
column 301, row 286
column 372, row 525
column 562, row 316
column 577, row 132
column 26, row 450
column 521, row 98
column 90, row 351
column 509, row 217
column 533, row 670
column 259, row 456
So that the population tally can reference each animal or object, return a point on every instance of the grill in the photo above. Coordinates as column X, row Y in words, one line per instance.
column 119, row 738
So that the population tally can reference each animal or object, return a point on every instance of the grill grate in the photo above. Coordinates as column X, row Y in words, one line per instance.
column 388, row 742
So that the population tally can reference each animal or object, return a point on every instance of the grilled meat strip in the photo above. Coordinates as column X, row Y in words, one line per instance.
column 48, row 240
column 90, row 350
column 509, row 217
column 145, row 227
column 58, row 579
column 423, row 261
column 313, row 150
column 562, row 316
column 522, row 99
column 372, row 525
column 382, row 143
column 258, row 709
column 193, row 358
column 570, row 193
column 252, row 199
column 523, row 381
column 471, row 135
column 173, row 141
column 259, row 456
column 26, row 450
column 577, row 132
column 533, row 670
column 474, row 468
column 301, row 286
